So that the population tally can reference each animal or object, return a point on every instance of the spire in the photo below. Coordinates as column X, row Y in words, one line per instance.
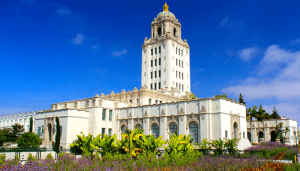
column 166, row 7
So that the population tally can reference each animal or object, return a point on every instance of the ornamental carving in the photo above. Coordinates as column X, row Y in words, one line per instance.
column 203, row 109
column 123, row 122
column 116, row 104
column 192, row 118
column 153, row 120
column 146, row 114
column 162, row 113
column 94, row 102
column 49, row 124
column 100, row 103
column 87, row 104
column 130, row 115
column 203, row 117
column 162, row 120
column 266, row 125
column 138, row 121
column 181, row 111
column 233, row 119
column 172, row 119
column 181, row 118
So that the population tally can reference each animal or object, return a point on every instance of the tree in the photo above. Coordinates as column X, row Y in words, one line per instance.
column 2, row 138
column 275, row 115
column 83, row 143
column 17, row 131
column 31, row 124
column 57, row 136
column 192, row 96
column 280, row 131
column 29, row 139
column 8, row 133
column 241, row 100
column 261, row 115
column 250, row 114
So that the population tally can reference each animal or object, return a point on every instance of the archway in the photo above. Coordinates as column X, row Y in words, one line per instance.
column 159, row 31
column 174, row 32
column 235, row 134
column 193, row 127
column 260, row 135
column 249, row 136
column 273, row 136
column 123, row 129
column 155, row 130
column 139, row 126
column 173, row 128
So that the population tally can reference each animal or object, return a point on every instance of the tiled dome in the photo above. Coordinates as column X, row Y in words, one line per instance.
column 166, row 12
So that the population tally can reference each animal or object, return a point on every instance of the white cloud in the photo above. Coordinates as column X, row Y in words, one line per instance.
column 224, row 21
column 63, row 11
column 284, row 86
column 288, row 110
column 119, row 52
column 247, row 54
column 78, row 39
column 95, row 47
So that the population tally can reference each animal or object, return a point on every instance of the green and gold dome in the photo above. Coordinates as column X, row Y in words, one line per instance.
column 166, row 12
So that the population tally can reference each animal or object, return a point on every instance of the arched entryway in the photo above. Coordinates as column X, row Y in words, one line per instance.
column 235, row 130
column 249, row 136
column 273, row 136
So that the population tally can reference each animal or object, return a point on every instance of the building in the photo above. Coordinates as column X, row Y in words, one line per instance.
column 6, row 121
column 161, row 106
column 267, row 130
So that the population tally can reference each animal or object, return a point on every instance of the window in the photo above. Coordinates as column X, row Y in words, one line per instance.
column 176, row 74
column 194, row 131
column 159, row 50
column 123, row 129
column 130, row 100
column 244, row 135
column 156, row 101
column 110, row 115
column 109, row 132
column 60, row 131
column 138, row 101
column 173, row 128
column 103, row 132
column 182, row 76
column 39, row 131
column 151, row 51
column 179, row 87
column 155, row 50
column 176, row 62
column 139, row 126
column 159, row 61
column 159, row 73
column 179, row 75
column 179, row 63
column 151, row 75
column 176, row 85
column 155, row 86
column 179, row 52
column 182, row 88
column 226, row 134
column 159, row 85
column 151, row 63
column 182, row 64
column 155, row 62
column 160, row 101
column 151, row 87
column 155, row 130
column 103, row 114
column 176, row 50
column 149, row 101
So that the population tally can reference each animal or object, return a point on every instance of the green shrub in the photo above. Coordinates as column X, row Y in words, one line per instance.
column 16, row 160
column 49, row 156
column 2, row 158
column 30, row 158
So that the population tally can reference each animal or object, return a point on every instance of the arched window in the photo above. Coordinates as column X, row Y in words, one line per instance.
column 235, row 125
column 249, row 136
column 174, row 32
column 123, row 129
column 173, row 128
column 273, row 136
column 155, row 130
column 194, row 131
column 159, row 31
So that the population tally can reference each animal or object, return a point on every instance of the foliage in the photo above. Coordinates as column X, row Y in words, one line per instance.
column 105, row 144
column 218, row 145
column 280, row 133
column 29, row 139
column 7, row 132
column 149, row 144
column 179, row 145
column 49, row 156
column 30, row 158
column 275, row 114
column 2, row 158
column 31, row 124
column 230, row 145
column 192, row 96
column 241, row 100
column 57, row 136
column 2, row 138
column 17, row 131
column 129, row 143
column 16, row 160
column 223, row 96
column 204, row 144
column 83, row 143
column 76, row 148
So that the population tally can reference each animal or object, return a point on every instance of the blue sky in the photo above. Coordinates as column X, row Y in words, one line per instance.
column 56, row 51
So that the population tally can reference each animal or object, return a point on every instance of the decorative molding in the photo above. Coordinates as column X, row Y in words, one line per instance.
column 146, row 114
column 203, row 109
column 100, row 103
column 153, row 120
column 233, row 119
column 172, row 119
column 130, row 115
column 162, row 113
column 138, row 121
column 192, row 118
column 116, row 104
column 123, row 122
column 203, row 117
column 181, row 118
column 181, row 111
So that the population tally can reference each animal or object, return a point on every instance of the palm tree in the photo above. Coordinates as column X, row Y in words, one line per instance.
column 250, row 114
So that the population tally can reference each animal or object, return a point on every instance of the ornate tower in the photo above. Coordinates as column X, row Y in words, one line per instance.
column 166, row 57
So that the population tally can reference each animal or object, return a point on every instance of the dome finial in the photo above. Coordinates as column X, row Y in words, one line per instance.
column 166, row 7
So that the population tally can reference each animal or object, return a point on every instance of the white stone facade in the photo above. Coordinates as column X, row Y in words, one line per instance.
column 6, row 121
column 268, row 127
